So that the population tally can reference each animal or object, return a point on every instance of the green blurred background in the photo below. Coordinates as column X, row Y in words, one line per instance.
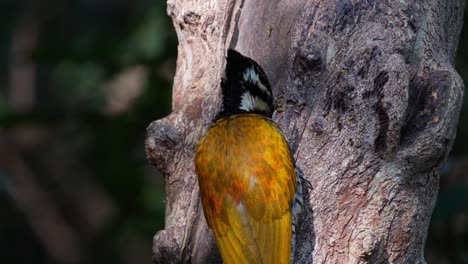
column 80, row 80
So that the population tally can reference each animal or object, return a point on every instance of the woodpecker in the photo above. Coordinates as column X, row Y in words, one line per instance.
column 250, row 191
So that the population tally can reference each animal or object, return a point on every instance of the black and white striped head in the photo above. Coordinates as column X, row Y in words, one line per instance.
column 245, row 87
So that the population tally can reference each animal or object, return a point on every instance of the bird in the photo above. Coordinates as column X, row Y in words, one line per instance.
column 250, row 190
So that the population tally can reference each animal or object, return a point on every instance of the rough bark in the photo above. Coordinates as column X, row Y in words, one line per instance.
column 365, row 93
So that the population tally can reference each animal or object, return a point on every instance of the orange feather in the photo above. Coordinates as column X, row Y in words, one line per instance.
column 247, row 184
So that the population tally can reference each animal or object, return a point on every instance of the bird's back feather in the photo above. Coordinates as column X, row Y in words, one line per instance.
column 247, row 182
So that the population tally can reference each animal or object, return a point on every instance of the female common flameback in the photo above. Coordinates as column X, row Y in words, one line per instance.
column 248, row 184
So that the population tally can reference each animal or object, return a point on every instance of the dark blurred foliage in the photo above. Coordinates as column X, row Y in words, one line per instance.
column 80, row 80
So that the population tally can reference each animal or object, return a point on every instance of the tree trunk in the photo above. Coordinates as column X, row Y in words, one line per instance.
column 365, row 93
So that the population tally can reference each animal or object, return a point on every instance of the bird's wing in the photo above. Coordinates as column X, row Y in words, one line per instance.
column 247, row 192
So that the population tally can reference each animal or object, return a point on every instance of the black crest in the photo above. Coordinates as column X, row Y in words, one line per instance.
column 245, row 87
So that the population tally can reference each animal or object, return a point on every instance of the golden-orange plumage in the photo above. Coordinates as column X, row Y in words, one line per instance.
column 247, row 183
